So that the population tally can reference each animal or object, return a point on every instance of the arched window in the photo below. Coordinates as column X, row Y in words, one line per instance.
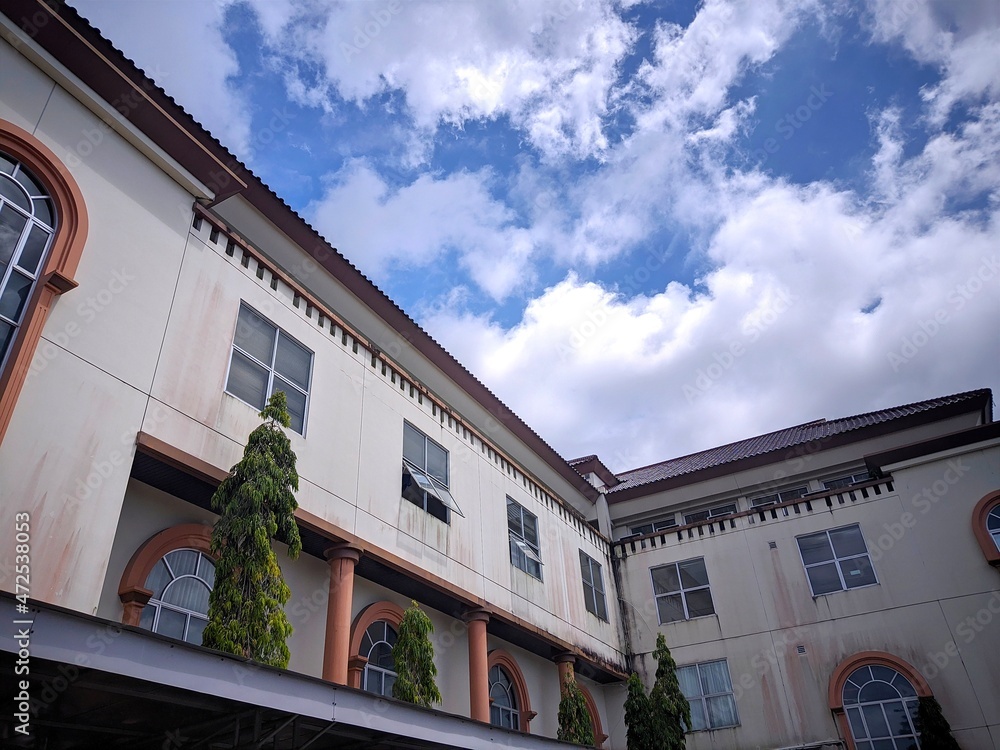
column 881, row 708
column 874, row 697
column 27, row 225
column 376, row 647
column 373, row 634
column 43, row 228
column 504, row 708
column 180, row 584
column 986, row 526
column 510, row 706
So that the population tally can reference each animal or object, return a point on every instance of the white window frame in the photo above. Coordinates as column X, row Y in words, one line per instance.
column 271, row 367
column 846, row 480
column 681, row 590
column 660, row 525
column 719, row 511
column 428, row 485
column 837, row 560
column 703, row 697
column 156, row 605
column 595, row 586
column 791, row 493
column 521, row 550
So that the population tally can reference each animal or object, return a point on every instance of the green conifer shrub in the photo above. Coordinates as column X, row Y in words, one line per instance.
column 413, row 656
column 574, row 719
column 255, row 503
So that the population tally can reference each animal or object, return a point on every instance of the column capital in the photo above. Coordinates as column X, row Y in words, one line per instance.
column 566, row 657
column 476, row 615
column 343, row 551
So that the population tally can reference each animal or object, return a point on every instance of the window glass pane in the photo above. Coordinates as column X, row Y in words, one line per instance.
column 530, row 529
column 722, row 510
column 381, row 656
column 665, row 579
column 824, row 579
column 875, row 721
column 147, row 617
column 714, row 677
column 206, row 570
column 693, row 573
column 12, row 192
column 514, row 518
column 43, row 210
column 158, row 579
column 373, row 681
column 247, row 380
column 11, row 226
column 413, row 446
column 188, row 593
column 698, row 720
column 695, row 517
column 33, row 248
column 6, row 334
column 721, row 711
column 598, row 576
column 850, row 693
column 906, row 744
column 883, row 745
column 602, row 607
column 688, row 679
column 183, row 562
column 644, row 529
column 196, row 628
column 700, row 603
column 15, row 295
column 6, row 164
column 848, row 542
column 883, row 673
column 585, row 571
column 670, row 608
column 877, row 691
column 437, row 462
column 857, row 726
column 171, row 623
column 254, row 335
column 857, row 572
column 903, row 686
column 899, row 718
column 33, row 186
column 815, row 548
column 293, row 361
column 993, row 519
column 296, row 403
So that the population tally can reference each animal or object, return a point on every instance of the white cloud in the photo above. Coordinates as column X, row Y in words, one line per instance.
column 382, row 228
column 196, row 72
column 547, row 65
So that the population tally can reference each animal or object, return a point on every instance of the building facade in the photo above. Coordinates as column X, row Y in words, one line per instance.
column 155, row 292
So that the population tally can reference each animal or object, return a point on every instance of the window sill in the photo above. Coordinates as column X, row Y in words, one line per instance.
column 714, row 615
column 842, row 591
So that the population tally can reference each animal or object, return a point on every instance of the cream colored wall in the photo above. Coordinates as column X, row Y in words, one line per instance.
column 932, row 579
column 86, row 389
column 349, row 459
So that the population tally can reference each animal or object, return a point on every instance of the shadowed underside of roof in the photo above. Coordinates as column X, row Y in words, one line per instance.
column 790, row 437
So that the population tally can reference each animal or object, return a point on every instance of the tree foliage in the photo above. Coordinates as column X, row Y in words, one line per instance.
column 934, row 729
column 575, row 724
column 656, row 721
column 256, row 503
column 413, row 656
column 669, row 710
column 637, row 720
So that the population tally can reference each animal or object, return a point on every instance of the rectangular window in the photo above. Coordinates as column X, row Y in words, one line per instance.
column 709, row 691
column 522, row 528
column 836, row 560
column 649, row 528
column 425, row 474
column 778, row 497
column 718, row 512
column 593, row 586
column 682, row 591
column 846, row 481
column 265, row 359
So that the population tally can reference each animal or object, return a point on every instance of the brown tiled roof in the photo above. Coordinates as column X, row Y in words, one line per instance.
column 790, row 437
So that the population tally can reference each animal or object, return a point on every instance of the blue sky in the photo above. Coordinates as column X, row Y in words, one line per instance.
column 650, row 228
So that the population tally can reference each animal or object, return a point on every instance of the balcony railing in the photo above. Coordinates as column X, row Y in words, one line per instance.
column 807, row 504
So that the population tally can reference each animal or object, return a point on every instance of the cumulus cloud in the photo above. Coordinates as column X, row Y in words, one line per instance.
column 197, row 73
column 412, row 226
column 548, row 65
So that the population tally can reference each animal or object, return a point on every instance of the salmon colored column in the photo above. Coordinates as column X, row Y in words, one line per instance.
column 479, row 678
column 336, row 652
column 565, row 663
